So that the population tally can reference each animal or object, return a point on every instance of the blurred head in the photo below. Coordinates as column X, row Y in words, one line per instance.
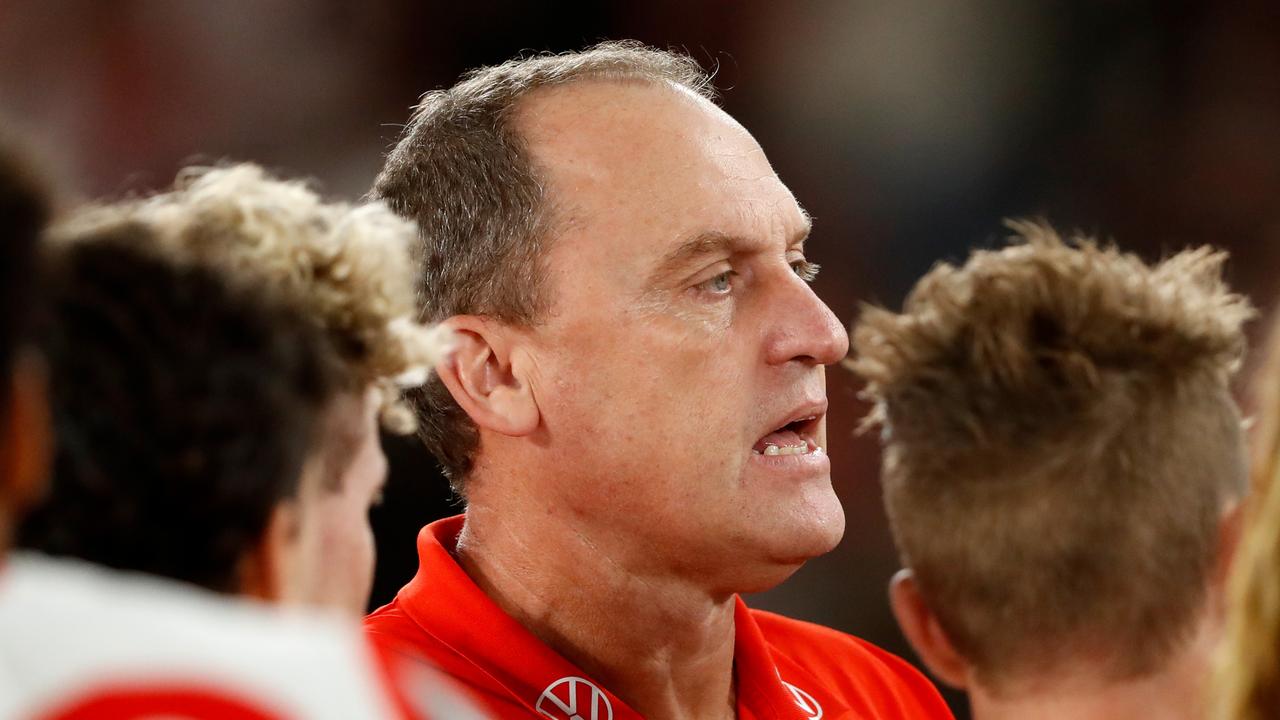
column 1061, row 455
column 345, row 274
column 24, row 433
column 349, row 470
column 1247, row 683
column 637, row 339
column 185, row 411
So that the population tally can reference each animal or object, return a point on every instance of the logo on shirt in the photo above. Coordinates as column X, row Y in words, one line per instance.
column 574, row 698
column 805, row 701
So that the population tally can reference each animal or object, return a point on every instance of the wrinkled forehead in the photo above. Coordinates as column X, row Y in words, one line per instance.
column 633, row 168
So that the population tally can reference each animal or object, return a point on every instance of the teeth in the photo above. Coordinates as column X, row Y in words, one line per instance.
column 772, row 450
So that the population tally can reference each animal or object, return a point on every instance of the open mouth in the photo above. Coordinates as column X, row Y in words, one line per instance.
column 798, row 437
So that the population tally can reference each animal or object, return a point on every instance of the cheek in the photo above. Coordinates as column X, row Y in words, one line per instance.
column 667, row 442
column 652, row 388
column 358, row 536
column 639, row 362
column 347, row 545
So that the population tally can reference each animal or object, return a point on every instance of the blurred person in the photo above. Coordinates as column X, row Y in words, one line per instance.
column 1247, row 679
column 25, row 437
column 635, row 411
column 164, row 471
column 1063, row 462
column 199, row 411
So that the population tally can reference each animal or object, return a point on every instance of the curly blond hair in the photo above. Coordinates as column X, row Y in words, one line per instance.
column 1247, row 677
column 1060, row 443
column 350, row 268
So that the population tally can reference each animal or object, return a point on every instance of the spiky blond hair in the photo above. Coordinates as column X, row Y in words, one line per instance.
column 1060, row 443
column 350, row 268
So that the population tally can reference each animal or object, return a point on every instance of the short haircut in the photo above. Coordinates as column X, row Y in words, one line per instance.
column 464, row 173
column 184, row 407
column 1060, row 442
column 24, row 209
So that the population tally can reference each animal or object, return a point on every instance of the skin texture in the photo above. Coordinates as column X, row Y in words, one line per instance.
column 616, row 477
column 318, row 549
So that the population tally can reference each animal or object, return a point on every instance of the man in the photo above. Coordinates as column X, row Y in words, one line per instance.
column 218, row 395
column 1062, row 460
column 635, row 412
column 177, row 479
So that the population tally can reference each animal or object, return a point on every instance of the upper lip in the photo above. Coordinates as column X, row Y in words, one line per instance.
column 809, row 410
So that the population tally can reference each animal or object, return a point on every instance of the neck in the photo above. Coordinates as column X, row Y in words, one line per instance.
column 1175, row 692
column 660, row 643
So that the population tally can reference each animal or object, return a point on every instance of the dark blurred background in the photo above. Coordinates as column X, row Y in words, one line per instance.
column 908, row 128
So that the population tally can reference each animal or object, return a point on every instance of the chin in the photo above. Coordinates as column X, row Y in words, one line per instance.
column 786, row 544
column 806, row 523
column 813, row 535
column 764, row 578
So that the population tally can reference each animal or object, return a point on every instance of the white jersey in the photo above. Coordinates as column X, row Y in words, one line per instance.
column 80, row 642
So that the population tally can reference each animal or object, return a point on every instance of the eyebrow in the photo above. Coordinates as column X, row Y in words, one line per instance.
column 713, row 241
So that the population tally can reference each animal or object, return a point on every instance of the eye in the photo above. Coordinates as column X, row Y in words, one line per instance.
column 806, row 270
column 721, row 284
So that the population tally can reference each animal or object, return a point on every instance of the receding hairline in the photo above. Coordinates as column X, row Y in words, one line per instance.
column 610, row 60
column 499, row 89
column 521, row 120
column 526, row 110
column 591, row 80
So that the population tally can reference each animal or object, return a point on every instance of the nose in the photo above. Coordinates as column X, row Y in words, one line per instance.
column 802, row 328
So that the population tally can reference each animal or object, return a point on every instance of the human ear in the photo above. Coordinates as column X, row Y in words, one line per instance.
column 484, row 374
column 920, row 626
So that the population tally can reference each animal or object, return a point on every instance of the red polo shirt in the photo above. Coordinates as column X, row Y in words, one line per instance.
column 786, row 669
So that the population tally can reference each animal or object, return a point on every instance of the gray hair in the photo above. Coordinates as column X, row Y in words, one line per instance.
column 464, row 174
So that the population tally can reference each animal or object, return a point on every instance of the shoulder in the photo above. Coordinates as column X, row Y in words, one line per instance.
column 881, row 683
column 394, row 631
column 69, row 622
column 391, row 627
column 798, row 639
column 419, row 689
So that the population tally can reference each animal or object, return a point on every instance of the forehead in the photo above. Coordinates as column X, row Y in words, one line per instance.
column 634, row 168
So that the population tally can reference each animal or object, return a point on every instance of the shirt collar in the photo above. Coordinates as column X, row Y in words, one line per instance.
column 444, row 601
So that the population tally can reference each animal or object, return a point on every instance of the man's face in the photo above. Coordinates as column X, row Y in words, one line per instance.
column 680, row 370
column 336, row 540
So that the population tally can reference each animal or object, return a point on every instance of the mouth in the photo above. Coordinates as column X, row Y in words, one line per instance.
column 796, row 435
